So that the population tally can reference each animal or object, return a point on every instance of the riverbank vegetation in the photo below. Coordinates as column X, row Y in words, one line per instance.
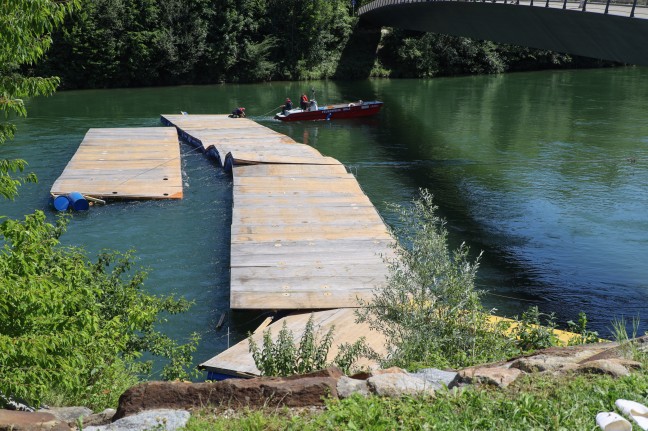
column 72, row 329
column 126, row 43
column 540, row 402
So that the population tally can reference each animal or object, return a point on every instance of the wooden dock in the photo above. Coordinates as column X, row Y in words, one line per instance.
column 133, row 163
column 304, row 234
column 237, row 361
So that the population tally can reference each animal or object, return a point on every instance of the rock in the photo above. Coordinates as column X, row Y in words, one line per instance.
column 366, row 374
column 543, row 363
column 253, row 393
column 11, row 420
column 346, row 386
column 396, row 385
column 629, row 363
column 103, row 418
column 163, row 419
column 610, row 367
column 496, row 376
column 437, row 379
column 68, row 414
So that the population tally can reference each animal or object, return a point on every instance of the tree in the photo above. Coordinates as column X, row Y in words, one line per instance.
column 25, row 26
column 72, row 330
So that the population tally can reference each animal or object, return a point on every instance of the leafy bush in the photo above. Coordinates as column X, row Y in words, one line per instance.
column 533, row 333
column 283, row 358
column 429, row 308
column 584, row 335
column 74, row 329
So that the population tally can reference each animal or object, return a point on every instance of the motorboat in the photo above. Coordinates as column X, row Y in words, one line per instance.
column 331, row 112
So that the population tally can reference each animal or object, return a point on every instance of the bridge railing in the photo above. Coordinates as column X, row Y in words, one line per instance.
column 629, row 8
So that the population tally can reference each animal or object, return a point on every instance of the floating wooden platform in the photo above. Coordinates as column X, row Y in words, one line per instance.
column 304, row 235
column 133, row 163
column 237, row 361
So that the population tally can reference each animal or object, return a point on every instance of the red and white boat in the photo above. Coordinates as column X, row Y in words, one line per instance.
column 332, row 112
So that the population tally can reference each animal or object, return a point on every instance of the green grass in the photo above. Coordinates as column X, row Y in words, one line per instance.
column 540, row 403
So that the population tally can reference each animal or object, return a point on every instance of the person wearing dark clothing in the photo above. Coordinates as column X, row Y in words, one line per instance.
column 238, row 113
column 287, row 106
column 303, row 102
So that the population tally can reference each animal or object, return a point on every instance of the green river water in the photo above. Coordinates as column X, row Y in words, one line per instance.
column 545, row 172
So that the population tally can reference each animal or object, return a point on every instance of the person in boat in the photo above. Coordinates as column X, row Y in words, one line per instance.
column 238, row 113
column 313, row 105
column 303, row 102
column 287, row 106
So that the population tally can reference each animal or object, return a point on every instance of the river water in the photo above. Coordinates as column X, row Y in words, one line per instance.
column 545, row 172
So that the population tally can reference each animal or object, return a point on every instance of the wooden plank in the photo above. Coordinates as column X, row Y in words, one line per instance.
column 261, row 214
column 344, row 228
column 308, row 300
column 238, row 361
column 248, row 159
column 315, row 257
column 301, row 200
column 250, row 277
column 284, row 170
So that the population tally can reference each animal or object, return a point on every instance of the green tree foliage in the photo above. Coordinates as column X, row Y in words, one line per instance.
column 73, row 328
column 113, row 43
column 119, row 43
column 283, row 358
column 413, row 54
column 25, row 28
column 429, row 308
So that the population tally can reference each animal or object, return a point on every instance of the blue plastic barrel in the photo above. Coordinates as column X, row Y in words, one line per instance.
column 78, row 202
column 61, row 203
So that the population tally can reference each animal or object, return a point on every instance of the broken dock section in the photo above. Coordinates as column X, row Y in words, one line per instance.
column 304, row 235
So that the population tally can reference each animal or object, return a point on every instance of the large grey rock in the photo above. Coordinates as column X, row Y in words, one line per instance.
column 68, row 414
column 163, row 419
column 399, row 384
column 346, row 386
column 437, row 379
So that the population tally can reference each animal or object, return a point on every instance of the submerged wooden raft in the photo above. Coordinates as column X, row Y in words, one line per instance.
column 304, row 234
column 237, row 360
column 134, row 163
column 247, row 142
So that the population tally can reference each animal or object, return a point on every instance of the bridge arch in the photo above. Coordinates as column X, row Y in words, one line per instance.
column 617, row 32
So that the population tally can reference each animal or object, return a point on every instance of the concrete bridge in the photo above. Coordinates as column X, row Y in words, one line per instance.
column 606, row 30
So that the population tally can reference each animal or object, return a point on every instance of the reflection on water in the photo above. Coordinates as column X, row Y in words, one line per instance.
column 545, row 172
